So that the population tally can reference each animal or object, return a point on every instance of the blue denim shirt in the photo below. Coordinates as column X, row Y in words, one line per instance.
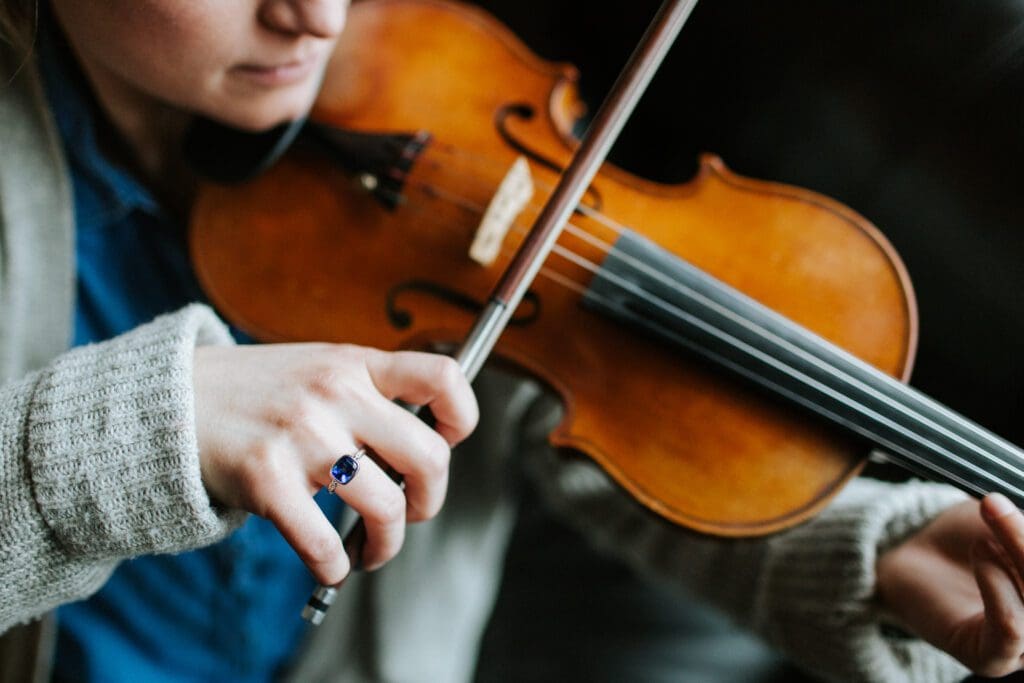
column 229, row 612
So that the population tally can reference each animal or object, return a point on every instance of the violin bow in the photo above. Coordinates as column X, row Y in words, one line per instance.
column 527, row 262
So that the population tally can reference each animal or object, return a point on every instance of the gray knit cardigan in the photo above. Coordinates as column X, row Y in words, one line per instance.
column 99, row 463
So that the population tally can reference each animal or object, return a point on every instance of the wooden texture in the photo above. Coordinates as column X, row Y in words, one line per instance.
column 302, row 254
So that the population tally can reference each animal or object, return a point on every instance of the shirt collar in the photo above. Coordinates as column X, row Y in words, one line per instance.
column 78, row 117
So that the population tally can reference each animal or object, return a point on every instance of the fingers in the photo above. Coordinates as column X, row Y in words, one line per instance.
column 428, row 379
column 1001, row 641
column 382, row 506
column 998, row 566
column 283, row 413
column 1007, row 523
column 420, row 454
column 302, row 524
column 417, row 452
column 414, row 450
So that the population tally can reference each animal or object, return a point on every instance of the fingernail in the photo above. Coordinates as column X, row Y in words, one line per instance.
column 999, row 505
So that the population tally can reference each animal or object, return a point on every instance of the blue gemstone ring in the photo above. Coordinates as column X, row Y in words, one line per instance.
column 344, row 469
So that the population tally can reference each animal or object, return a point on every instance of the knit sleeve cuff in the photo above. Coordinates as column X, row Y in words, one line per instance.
column 817, row 587
column 113, row 456
column 808, row 591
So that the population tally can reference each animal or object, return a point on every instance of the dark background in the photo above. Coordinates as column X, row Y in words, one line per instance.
column 909, row 112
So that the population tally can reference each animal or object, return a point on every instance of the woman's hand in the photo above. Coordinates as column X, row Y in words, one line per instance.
column 957, row 584
column 272, row 419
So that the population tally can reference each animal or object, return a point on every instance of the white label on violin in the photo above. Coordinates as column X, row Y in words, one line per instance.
column 506, row 204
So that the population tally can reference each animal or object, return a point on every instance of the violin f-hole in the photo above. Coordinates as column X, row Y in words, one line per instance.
column 402, row 318
column 526, row 112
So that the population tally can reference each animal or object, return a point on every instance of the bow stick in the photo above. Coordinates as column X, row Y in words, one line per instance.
column 517, row 278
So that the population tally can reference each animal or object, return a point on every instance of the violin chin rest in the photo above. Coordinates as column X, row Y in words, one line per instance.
column 228, row 155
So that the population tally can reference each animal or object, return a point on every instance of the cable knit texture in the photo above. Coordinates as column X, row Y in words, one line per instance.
column 100, row 463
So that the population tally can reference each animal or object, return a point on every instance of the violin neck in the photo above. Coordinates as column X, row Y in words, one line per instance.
column 646, row 286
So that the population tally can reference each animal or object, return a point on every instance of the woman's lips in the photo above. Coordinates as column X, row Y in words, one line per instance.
column 278, row 75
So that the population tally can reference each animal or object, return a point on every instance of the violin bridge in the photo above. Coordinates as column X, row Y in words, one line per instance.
column 513, row 193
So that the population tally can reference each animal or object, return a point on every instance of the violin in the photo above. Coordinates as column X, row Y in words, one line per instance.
column 728, row 350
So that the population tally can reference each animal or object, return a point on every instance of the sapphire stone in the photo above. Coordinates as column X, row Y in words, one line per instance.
column 344, row 470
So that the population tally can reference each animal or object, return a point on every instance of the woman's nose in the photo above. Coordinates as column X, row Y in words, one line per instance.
column 318, row 18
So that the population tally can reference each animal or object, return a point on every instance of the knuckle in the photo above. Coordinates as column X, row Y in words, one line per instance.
column 329, row 567
column 448, row 377
column 433, row 503
column 996, row 667
column 385, row 552
column 260, row 469
column 447, row 369
column 299, row 415
column 433, row 479
column 394, row 508
column 1015, row 528
column 429, row 460
column 437, row 456
column 472, row 419
column 328, row 371
column 393, row 548
column 323, row 380
column 430, row 456
column 324, row 550
column 341, row 375
column 1011, row 630
column 447, row 374
column 389, row 508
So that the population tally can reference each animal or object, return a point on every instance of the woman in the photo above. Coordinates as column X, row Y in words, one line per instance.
column 154, row 434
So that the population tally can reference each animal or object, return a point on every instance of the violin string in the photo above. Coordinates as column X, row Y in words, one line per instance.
column 606, row 248
column 476, row 179
column 646, row 268
column 830, row 369
column 493, row 166
column 501, row 168
column 519, row 228
column 432, row 218
column 914, row 417
column 668, row 281
column 459, row 200
column 570, row 228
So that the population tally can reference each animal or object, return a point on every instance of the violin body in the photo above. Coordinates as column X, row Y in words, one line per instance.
column 307, row 252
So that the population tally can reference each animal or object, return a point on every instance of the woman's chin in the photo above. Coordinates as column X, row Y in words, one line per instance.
column 261, row 119
column 264, row 111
